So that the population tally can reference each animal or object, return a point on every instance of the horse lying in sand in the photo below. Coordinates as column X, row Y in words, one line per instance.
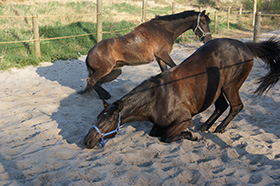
column 213, row 74
column 150, row 41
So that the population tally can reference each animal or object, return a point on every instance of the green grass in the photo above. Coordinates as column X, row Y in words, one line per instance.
column 22, row 54
column 160, row 10
column 125, row 8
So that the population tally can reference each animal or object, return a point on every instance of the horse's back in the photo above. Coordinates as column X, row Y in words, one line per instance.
column 228, row 47
column 221, row 53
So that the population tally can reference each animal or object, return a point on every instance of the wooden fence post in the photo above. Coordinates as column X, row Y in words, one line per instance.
column 215, row 22
column 228, row 14
column 144, row 10
column 254, row 12
column 36, row 36
column 99, row 20
column 257, row 27
column 173, row 7
column 240, row 17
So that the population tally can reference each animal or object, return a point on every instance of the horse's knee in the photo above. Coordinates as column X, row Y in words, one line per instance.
column 155, row 132
column 177, row 131
column 183, row 135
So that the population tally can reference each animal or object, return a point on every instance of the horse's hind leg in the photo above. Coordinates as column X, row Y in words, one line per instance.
column 220, row 106
column 93, row 82
column 116, row 72
column 235, row 107
column 102, row 93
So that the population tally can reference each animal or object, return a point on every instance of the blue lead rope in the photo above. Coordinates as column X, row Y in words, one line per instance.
column 117, row 130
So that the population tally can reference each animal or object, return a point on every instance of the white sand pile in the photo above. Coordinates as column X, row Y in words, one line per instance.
column 43, row 121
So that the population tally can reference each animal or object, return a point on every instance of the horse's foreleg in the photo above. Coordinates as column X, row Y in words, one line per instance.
column 177, row 132
column 235, row 107
column 155, row 132
column 220, row 106
column 164, row 56
column 162, row 65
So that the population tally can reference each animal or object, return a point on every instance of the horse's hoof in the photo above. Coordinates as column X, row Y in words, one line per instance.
column 189, row 136
column 105, row 96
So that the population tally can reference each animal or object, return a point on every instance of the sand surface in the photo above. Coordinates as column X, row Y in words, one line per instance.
column 43, row 121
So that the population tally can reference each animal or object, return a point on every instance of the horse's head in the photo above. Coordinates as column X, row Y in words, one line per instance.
column 107, row 123
column 201, row 27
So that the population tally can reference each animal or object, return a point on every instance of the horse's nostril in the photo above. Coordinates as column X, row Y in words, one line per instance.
column 87, row 142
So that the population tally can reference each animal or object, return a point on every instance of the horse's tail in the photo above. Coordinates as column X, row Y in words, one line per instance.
column 90, row 72
column 89, row 68
column 269, row 52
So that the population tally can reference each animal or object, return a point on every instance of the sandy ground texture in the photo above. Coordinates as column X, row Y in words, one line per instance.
column 43, row 121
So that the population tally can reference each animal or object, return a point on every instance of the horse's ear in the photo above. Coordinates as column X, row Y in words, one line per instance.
column 208, row 14
column 105, row 103
column 203, row 13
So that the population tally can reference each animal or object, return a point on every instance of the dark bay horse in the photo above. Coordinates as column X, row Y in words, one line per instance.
column 150, row 41
column 213, row 74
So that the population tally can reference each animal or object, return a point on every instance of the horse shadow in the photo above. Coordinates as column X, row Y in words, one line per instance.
column 77, row 113
column 14, row 173
column 70, row 73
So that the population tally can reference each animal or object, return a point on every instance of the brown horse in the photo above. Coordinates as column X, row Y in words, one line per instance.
column 150, row 41
column 213, row 74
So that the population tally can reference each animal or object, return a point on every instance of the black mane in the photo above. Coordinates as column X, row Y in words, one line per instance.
column 176, row 16
column 181, row 15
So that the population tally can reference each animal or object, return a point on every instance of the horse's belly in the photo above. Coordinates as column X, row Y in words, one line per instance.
column 137, row 59
column 135, row 63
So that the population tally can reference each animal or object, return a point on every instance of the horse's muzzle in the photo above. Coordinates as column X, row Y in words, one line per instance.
column 206, row 39
column 89, row 141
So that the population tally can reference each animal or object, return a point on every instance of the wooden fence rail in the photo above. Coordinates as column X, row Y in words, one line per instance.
column 144, row 9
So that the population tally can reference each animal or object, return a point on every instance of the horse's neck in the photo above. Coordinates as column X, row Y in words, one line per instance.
column 135, row 108
column 179, row 26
